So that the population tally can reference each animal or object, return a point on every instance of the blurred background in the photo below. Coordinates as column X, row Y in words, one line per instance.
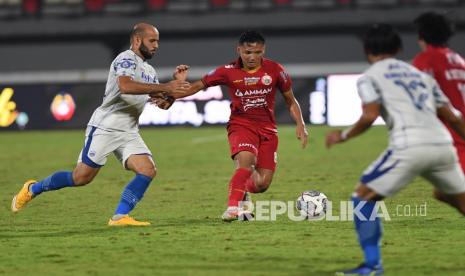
column 55, row 54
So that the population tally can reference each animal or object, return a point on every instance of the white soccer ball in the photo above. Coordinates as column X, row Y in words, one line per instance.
column 312, row 204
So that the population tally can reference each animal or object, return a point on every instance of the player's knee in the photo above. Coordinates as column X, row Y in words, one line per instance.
column 263, row 186
column 246, row 166
column 149, row 171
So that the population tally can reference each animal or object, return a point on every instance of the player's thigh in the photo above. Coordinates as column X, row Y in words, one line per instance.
column 268, row 152
column 391, row 172
column 97, row 146
column 366, row 193
column 135, row 155
column 245, row 159
column 242, row 139
column 445, row 172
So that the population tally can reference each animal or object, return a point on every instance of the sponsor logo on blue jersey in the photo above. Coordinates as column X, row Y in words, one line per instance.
column 147, row 78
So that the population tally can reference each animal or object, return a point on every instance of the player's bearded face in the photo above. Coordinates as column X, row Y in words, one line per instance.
column 251, row 54
column 144, row 50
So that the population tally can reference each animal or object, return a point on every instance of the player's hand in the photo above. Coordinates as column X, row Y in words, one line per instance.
column 334, row 137
column 162, row 101
column 177, row 87
column 180, row 73
column 302, row 135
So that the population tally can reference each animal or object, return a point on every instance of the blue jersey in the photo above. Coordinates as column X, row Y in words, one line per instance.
column 120, row 112
column 409, row 99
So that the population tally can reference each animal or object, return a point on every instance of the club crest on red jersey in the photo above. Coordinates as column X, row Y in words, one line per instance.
column 266, row 80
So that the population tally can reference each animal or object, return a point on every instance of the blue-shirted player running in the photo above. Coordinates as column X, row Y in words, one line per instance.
column 419, row 144
column 113, row 128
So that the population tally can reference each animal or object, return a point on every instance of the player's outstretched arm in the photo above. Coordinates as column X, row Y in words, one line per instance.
column 129, row 86
column 296, row 114
column 194, row 88
column 370, row 112
column 453, row 118
column 165, row 100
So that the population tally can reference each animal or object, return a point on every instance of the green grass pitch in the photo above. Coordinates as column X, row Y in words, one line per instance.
column 64, row 232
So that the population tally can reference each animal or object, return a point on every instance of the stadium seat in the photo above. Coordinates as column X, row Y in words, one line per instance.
column 219, row 3
column 31, row 7
column 62, row 7
column 313, row 4
column 156, row 4
column 10, row 8
column 377, row 3
column 123, row 6
column 187, row 5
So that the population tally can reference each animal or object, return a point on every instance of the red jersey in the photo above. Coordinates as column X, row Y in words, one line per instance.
column 252, row 93
column 448, row 68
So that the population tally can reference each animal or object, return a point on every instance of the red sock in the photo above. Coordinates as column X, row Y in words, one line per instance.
column 237, row 186
column 250, row 186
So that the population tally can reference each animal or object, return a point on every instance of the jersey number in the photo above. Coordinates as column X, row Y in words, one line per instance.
column 416, row 91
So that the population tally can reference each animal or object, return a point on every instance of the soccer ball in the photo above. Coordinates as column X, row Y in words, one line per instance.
column 312, row 204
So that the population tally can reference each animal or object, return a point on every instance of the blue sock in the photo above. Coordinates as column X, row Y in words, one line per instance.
column 132, row 194
column 55, row 181
column 369, row 232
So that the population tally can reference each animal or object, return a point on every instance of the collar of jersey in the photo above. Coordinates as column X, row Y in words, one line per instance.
column 238, row 65
column 139, row 59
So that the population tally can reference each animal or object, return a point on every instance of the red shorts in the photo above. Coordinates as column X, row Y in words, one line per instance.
column 248, row 138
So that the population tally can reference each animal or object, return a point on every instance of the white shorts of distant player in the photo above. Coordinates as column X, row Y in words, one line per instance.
column 100, row 143
column 394, row 169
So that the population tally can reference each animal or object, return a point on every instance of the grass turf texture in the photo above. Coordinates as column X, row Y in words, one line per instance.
column 65, row 232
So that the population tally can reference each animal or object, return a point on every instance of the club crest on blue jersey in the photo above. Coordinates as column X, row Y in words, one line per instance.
column 125, row 63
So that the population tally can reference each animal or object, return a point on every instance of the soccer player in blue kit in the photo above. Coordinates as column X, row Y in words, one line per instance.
column 419, row 144
column 113, row 128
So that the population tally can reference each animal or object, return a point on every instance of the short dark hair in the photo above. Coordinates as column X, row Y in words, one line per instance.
column 137, row 30
column 434, row 28
column 251, row 37
column 382, row 39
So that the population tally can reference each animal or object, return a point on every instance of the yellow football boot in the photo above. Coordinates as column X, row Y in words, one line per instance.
column 23, row 197
column 127, row 221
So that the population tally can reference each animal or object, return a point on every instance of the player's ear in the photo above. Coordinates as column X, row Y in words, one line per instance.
column 137, row 40
column 238, row 50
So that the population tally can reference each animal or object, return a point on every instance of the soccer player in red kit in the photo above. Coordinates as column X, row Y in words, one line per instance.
column 445, row 65
column 252, row 83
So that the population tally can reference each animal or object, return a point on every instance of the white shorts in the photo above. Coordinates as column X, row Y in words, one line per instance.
column 394, row 169
column 100, row 143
